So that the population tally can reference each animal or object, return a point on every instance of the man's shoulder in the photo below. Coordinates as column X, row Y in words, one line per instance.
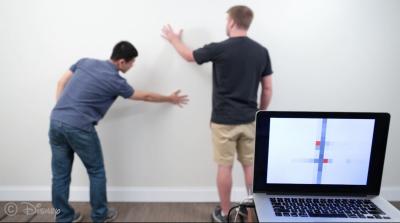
column 229, row 42
column 249, row 42
column 214, row 44
column 99, row 65
column 88, row 60
column 218, row 46
column 256, row 44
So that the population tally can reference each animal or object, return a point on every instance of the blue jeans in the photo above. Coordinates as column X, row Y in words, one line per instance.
column 66, row 140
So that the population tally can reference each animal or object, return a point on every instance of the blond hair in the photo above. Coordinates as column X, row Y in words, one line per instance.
column 241, row 15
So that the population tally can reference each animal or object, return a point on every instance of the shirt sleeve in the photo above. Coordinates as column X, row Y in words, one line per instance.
column 206, row 54
column 268, row 68
column 75, row 66
column 125, row 90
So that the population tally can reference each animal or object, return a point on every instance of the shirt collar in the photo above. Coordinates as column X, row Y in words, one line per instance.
column 112, row 65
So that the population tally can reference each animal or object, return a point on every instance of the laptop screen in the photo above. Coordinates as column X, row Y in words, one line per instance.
column 319, row 151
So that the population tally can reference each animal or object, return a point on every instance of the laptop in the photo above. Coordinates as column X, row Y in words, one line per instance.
column 321, row 167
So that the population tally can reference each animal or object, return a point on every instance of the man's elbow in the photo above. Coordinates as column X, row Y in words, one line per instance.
column 266, row 94
column 61, row 83
column 147, row 97
column 189, row 57
column 267, row 91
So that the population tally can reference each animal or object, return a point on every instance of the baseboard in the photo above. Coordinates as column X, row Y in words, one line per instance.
column 143, row 194
column 123, row 194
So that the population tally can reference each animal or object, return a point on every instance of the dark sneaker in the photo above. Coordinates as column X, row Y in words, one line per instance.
column 112, row 214
column 216, row 216
column 77, row 217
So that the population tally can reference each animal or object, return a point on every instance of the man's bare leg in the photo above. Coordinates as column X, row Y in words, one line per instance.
column 224, row 184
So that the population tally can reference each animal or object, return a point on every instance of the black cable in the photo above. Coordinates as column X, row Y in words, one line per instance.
column 229, row 212
column 238, row 206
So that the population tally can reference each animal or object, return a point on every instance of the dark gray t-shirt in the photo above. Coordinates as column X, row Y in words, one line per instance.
column 92, row 89
column 239, row 63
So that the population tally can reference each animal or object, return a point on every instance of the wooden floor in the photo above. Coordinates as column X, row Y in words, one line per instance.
column 128, row 212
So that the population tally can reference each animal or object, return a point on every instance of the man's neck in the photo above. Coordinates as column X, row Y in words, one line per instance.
column 114, row 63
column 238, row 33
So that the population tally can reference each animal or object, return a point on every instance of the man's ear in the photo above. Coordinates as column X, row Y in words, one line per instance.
column 231, row 23
column 122, row 61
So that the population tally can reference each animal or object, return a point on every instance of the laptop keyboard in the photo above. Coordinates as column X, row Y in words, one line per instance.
column 333, row 208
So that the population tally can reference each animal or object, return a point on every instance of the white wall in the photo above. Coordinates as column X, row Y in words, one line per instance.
column 335, row 55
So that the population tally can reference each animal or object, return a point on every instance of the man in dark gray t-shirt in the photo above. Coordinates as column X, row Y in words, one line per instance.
column 84, row 95
column 239, row 65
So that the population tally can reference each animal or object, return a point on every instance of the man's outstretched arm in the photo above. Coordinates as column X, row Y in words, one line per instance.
column 173, row 98
column 176, row 40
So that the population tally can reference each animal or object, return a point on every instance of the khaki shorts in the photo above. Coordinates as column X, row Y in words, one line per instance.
column 228, row 139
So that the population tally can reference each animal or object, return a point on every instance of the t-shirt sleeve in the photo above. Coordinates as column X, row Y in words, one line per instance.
column 206, row 54
column 268, row 68
column 125, row 90
column 75, row 65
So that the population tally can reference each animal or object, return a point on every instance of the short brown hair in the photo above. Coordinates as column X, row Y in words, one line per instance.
column 241, row 15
